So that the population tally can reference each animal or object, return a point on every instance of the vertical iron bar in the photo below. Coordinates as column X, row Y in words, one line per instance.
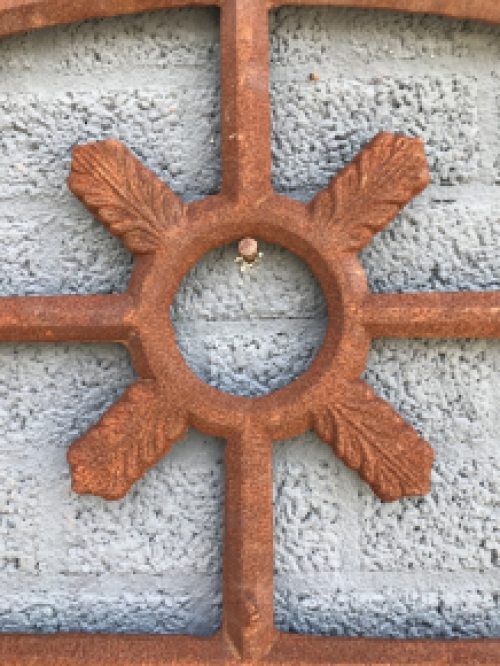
column 245, row 118
column 248, row 622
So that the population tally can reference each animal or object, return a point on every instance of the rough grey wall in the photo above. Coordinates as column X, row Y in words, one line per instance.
column 345, row 562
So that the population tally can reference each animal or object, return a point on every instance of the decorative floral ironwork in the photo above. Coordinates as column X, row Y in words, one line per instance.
column 363, row 430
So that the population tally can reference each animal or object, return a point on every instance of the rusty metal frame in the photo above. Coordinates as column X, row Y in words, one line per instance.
column 167, row 238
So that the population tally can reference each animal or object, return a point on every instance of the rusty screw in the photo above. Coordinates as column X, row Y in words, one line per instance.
column 248, row 249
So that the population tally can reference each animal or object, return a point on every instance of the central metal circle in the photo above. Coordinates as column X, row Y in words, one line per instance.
column 249, row 329
column 288, row 410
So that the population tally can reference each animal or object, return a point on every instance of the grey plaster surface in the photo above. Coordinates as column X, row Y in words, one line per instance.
column 345, row 563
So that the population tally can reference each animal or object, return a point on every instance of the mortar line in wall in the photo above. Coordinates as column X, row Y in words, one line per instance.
column 417, row 581
column 350, row 514
column 109, row 584
column 489, row 125
column 202, row 325
column 335, row 69
column 492, row 420
column 478, row 194
column 172, row 80
column 463, row 453
column 63, row 204
column 51, row 510
column 12, row 461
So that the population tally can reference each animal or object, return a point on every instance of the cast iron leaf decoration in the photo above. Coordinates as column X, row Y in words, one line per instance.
column 132, row 436
column 369, row 192
column 363, row 430
column 372, row 439
column 135, row 205
column 124, row 195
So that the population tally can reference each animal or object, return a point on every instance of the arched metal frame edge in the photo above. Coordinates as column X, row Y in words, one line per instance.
column 22, row 15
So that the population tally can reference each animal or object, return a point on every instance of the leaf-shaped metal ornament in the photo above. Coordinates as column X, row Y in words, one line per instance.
column 372, row 439
column 124, row 195
column 129, row 438
column 369, row 192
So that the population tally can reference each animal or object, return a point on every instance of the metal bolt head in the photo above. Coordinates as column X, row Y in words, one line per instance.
column 248, row 249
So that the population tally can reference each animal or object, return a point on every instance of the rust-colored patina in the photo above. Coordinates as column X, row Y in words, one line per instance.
column 168, row 237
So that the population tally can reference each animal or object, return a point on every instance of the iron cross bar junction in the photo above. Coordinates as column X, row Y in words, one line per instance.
column 167, row 238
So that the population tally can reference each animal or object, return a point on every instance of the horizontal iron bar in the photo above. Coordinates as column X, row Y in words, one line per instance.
column 331, row 651
column 436, row 315
column 290, row 649
column 111, row 650
column 66, row 318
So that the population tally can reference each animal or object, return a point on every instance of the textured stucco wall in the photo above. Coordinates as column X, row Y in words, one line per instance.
column 345, row 562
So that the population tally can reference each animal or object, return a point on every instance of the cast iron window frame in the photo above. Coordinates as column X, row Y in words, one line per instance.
column 248, row 634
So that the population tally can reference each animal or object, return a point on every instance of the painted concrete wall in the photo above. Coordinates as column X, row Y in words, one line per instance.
column 345, row 562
